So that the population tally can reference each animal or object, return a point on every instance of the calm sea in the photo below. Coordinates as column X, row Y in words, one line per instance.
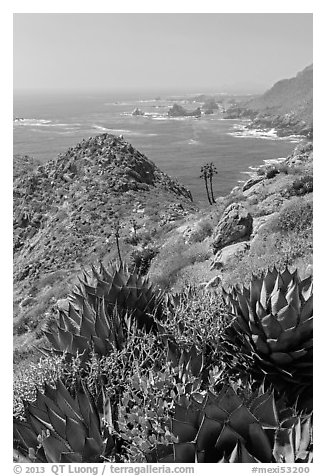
column 52, row 123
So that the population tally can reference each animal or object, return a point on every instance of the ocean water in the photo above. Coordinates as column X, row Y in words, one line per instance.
column 51, row 123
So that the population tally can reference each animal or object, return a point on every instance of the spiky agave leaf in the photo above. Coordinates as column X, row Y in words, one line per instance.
column 103, row 307
column 189, row 361
column 60, row 428
column 221, row 428
column 274, row 323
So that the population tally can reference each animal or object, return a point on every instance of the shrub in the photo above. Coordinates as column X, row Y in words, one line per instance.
column 141, row 237
column 33, row 375
column 133, row 239
column 283, row 168
column 302, row 185
column 197, row 318
column 203, row 230
column 271, row 172
column 269, row 249
column 141, row 259
column 295, row 215
column 269, row 204
column 234, row 197
column 284, row 240
column 173, row 258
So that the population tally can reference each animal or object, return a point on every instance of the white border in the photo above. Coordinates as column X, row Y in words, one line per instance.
column 168, row 6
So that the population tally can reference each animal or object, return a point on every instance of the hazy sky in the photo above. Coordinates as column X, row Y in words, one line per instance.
column 159, row 51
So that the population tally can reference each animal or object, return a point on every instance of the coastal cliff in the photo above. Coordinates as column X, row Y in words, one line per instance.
column 287, row 107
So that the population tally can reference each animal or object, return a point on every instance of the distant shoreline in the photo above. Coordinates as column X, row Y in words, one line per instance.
column 178, row 145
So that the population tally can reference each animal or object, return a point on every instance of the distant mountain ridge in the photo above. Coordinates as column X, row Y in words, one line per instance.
column 287, row 106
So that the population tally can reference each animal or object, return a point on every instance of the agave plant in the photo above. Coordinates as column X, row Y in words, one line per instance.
column 223, row 429
column 102, row 309
column 62, row 429
column 274, row 323
column 191, row 361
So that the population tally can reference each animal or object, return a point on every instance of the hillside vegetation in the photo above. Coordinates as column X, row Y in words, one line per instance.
column 67, row 213
column 155, row 341
column 149, row 330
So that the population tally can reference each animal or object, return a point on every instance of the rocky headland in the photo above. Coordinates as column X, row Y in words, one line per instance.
column 287, row 107
column 74, row 200
column 67, row 211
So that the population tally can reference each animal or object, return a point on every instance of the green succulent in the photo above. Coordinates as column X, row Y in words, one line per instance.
column 62, row 429
column 102, row 309
column 273, row 322
column 223, row 429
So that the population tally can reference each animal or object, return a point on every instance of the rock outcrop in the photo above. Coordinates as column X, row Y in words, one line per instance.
column 23, row 165
column 251, row 182
column 210, row 104
column 302, row 156
column 179, row 111
column 137, row 112
column 259, row 223
column 225, row 255
column 235, row 225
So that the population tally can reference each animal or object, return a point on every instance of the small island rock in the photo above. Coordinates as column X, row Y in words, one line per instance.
column 137, row 112
column 179, row 111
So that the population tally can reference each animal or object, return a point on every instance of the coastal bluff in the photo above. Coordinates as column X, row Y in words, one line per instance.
column 287, row 107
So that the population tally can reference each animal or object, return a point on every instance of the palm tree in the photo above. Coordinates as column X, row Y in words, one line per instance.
column 204, row 175
column 211, row 169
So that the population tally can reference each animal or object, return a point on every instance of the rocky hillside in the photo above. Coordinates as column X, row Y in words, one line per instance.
column 266, row 222
column 287, row 106
column 67, row 211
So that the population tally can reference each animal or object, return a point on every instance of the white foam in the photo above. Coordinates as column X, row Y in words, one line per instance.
column 274, row 161
column 45, row 123
column 152, row 114
column 265, row 134
column 32, row 122
column 247, row 172
column 141, row 134
column 110, row 131
column 123, row 131
column 146, row 100
column 242, row 131
column 117, row 103
column 161, row 118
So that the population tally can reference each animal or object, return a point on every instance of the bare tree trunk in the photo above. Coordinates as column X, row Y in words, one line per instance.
column 206, row 185
column 211, row 185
